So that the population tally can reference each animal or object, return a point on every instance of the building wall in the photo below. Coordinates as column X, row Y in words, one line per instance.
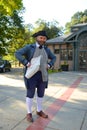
column 58, row 60
column 77, row 48
column 57, row 63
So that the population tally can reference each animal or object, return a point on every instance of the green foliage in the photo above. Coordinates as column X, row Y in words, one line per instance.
column 78, row 17
column 52, row 71
column 10, row 23
column 8, row 6
column 52, row 28
column 10, row 28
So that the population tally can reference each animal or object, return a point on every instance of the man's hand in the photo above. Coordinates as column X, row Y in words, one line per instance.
column 28, row 64
column 48, row 66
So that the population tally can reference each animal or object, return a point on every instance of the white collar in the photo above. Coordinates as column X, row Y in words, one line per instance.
column 37, row 45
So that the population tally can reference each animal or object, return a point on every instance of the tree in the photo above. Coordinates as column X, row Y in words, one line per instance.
column 10, row 28
column 77, row 18
column 10, row 23
column 8, row 7
column 52, row 28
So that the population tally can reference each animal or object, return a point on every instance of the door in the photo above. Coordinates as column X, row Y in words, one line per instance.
column 83, row 60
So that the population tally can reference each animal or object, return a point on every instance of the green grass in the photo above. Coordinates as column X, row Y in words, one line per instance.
column 52, row 71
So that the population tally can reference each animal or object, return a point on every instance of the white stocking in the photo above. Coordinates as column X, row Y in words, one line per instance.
column 29, row 104
column 39, row 103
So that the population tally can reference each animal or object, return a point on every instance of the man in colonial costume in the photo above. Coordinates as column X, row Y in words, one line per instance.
column 39, row 81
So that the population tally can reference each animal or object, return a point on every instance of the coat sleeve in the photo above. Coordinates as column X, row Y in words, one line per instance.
column 21, row 54
column 52, row 57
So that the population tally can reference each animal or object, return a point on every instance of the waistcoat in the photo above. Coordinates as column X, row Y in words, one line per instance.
column 43, row 62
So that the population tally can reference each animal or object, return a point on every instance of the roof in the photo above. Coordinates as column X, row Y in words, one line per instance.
column 59, row 39
column 80, row 24
column 69, row 37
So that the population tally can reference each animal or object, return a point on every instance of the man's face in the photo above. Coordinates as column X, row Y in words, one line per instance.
column 41, row 39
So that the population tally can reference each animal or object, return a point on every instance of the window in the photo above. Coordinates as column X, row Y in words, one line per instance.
column 66, row 54
column 83, row 41
column 63, row 54
column 70, row 54
column 56, row 51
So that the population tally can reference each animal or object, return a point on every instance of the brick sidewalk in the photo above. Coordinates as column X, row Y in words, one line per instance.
column 65, row 102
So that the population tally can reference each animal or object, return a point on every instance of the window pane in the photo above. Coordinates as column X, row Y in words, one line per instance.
column 63, row 54
column 70, row 54
column 66, row 54
column 56, row 51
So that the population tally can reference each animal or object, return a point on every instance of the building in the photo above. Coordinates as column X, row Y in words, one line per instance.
column 71, row 49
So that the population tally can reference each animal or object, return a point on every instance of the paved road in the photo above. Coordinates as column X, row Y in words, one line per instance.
column 65, row 102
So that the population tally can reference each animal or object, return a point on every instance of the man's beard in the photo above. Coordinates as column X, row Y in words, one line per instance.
column 42, row 43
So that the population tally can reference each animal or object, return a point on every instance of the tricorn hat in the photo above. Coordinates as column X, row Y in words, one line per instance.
column 40, row 33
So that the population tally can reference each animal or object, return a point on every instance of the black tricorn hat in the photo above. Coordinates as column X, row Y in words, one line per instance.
column 40, row 33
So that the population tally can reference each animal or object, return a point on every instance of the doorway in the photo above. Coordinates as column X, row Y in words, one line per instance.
column 83, row 60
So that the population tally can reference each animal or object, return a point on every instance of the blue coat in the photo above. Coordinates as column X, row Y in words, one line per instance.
column 25, row 54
